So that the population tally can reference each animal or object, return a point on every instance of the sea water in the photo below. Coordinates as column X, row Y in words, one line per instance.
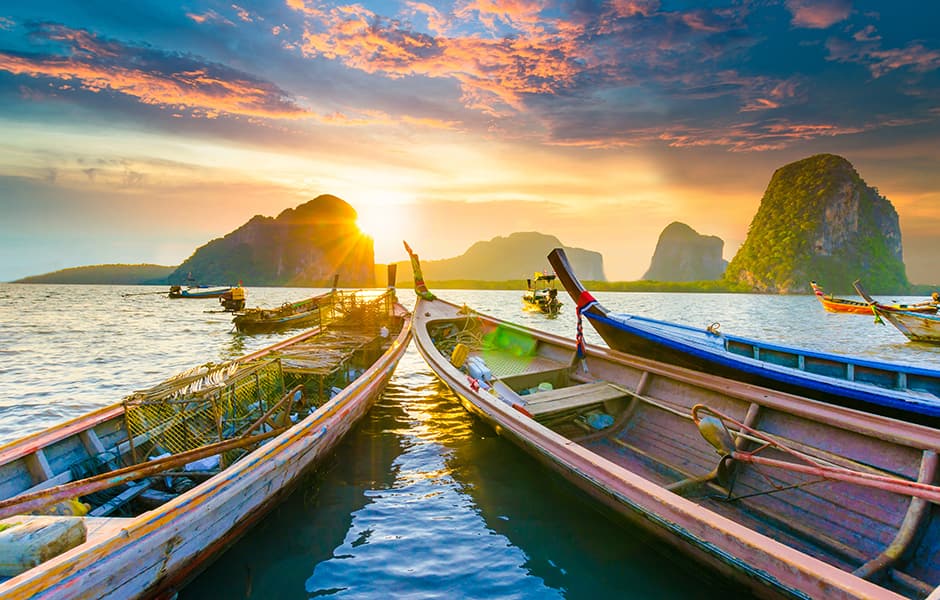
column 420, row 500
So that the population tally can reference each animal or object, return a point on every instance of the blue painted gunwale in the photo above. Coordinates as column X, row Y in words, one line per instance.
column 713, row 348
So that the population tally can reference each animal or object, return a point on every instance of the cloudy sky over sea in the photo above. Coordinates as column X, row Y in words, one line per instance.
column 135, row 132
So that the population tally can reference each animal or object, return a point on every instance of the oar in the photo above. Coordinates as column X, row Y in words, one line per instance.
column 143, row 294
column 25, row 503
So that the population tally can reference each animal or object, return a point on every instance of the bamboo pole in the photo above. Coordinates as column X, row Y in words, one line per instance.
column 25, row 503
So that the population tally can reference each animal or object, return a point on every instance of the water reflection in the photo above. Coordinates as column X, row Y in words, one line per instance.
column 424, row 500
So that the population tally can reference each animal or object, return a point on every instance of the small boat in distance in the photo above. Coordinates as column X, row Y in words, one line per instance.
column 917, row 327
column 234, row 299
column 157, row 485
column 802, row 499
column 843, row 305
column 206, row 291
column 541, row 294
column 308, row 312
column 891, row 389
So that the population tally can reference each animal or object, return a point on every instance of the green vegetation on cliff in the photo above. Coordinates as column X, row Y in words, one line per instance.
column 818, row 220
column 118, row 274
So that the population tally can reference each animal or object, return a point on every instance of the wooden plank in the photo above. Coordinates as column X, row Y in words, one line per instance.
column 91, row 442
column 574, row 396
column 38, row 466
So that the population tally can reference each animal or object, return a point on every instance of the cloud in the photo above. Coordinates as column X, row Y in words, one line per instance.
column 818, row 14
column 210, row 16
column 172, row 81
column 915, row 56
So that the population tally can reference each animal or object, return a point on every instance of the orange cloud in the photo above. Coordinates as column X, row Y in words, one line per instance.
column 493, row 73
column 205, row 90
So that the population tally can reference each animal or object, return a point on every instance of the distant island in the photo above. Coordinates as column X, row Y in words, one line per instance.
column 115, row 274
column 818, row 220
column 683, row 255
column 511, row 258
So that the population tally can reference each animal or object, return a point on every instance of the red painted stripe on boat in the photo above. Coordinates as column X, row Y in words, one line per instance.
column 585, row 298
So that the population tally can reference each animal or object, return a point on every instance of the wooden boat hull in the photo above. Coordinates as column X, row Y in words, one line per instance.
column 767, row 566
column 198, row 293
column 545, row 307
column 297, row 321
column 855, row 307
column 894, row 390
column 158, row 551
column 303, row 313
column 917, row 327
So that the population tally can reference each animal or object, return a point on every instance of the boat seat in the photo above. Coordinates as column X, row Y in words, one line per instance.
column 571, row 397
column 504, row 364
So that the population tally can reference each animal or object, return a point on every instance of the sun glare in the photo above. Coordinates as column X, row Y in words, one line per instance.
column 383, row 223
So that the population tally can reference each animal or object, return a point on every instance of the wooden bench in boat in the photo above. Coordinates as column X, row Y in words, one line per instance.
column 571, row 398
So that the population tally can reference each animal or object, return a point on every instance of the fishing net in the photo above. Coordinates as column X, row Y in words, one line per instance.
column 205, row 405
column 217, row 402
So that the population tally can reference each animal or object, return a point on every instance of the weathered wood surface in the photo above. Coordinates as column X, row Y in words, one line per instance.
column 162, row 548
column 780, row 533
column 567, row 398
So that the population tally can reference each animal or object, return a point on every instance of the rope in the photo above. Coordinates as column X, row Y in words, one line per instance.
column 584, row 302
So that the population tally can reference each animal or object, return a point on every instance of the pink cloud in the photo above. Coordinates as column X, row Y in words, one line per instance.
column 210, row 16
column 493, row 73
column 818, row 14
column 632, row 8
column 204, row 90
column 915, row 56
column 868, row 34
column 243, row 14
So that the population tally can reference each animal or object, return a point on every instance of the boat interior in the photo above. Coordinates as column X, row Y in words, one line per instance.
column 124, row 460
column 656, row 421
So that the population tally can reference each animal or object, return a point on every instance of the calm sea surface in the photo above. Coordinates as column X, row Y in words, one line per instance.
column 420, row 500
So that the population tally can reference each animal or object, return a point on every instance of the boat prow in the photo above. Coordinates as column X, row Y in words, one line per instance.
column 891, row 389
column 210, row 451
column 787, row 507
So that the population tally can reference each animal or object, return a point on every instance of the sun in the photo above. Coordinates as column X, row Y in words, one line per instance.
column 385, row 223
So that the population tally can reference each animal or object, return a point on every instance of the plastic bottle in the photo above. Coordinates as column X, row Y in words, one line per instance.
column 473, row 368
column 485, row 372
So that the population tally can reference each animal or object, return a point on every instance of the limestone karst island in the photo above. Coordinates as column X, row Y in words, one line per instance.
column 470, row 299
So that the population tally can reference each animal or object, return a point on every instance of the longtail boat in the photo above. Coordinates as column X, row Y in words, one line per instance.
column 137, row 497
column 292, row 315
column 917, row 327
column 198, row 292
column 785, row 495
column 541, row 294
column 895, row 390
column 843, row 305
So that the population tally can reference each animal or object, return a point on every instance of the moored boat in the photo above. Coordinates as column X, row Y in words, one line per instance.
column 802, row 499
column 292, row 315
column 541, row 294
column 208, row 452
column 199, row 291
column 844, row 305
column 895, row 390
column 917, row 327
column 234, row 299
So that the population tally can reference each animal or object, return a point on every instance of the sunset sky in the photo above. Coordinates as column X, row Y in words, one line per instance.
column 135, row 132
